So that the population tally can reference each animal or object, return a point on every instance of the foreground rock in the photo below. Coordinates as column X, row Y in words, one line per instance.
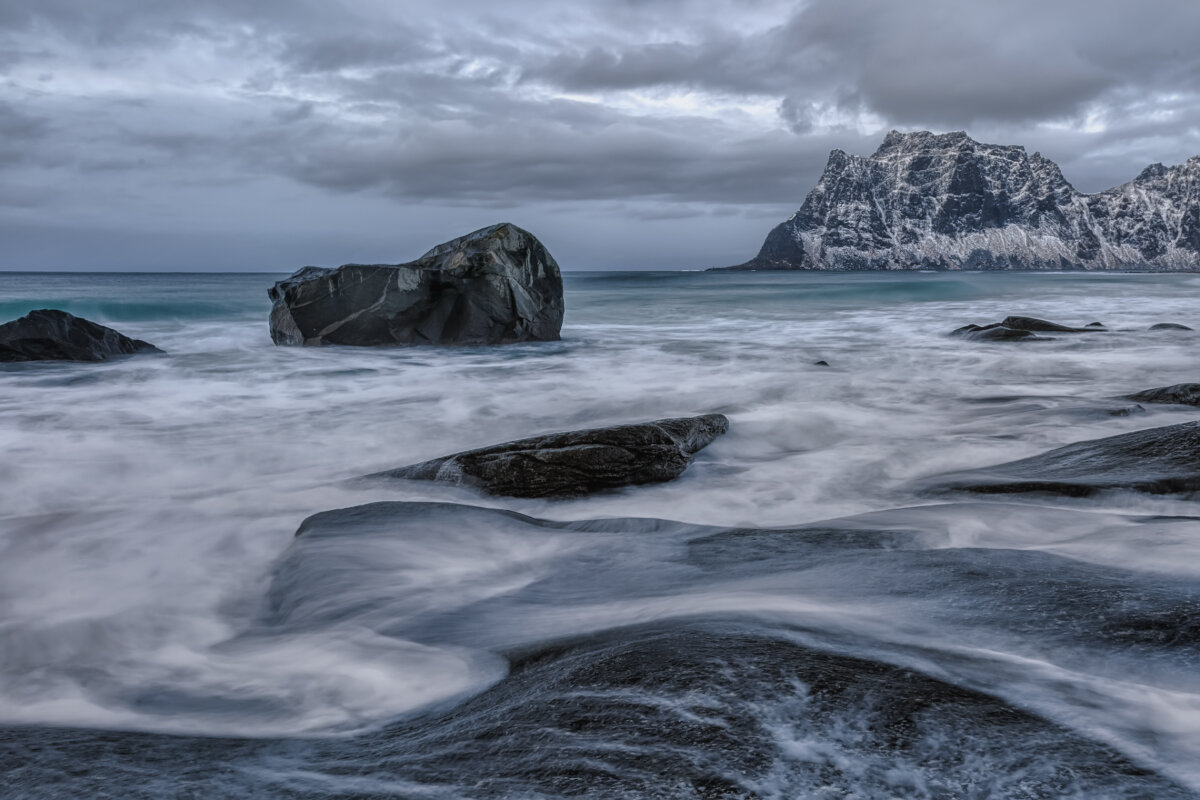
column 1162, row 460
column 52, row 335
column 1187, row 394
column 575, row 463
column 493, row 286
column 1017, row 328
column 929, row 201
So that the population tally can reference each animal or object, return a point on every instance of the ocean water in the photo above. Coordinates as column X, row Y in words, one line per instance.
column 794, row 617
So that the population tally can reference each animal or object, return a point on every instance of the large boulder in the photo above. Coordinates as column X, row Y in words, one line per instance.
column 575, row 463
column 1163, row 460
column 493, row 286
column 52, row 335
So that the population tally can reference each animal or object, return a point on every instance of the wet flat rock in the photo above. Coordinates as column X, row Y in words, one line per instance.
column 496, row 285
column 1187, row 394
column 575, row 463
column 52, row 335
column 1015, row 328
column 1163, row 460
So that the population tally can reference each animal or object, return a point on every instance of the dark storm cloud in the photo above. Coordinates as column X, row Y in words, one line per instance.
column 19, row 135
column 325, row 53
column 17, row 128
column 922, row 62
column 511, row 163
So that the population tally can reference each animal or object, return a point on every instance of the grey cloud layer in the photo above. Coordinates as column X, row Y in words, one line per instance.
column 459, row 102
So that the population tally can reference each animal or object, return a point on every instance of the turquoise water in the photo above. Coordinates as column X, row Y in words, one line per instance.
column 147, row 505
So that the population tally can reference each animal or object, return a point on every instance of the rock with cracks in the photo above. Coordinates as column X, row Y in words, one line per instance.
column 494, row 286
column 575, row 463
column 52, row 335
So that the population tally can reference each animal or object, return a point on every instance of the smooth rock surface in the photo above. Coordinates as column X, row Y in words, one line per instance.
column 575, row 463
column 52, row 335
column 1164, row 460
column 1187, row 394
column 1017, row 328
column 1169, row 326
column 993, row 333
column 946, row 201
column 493, row 286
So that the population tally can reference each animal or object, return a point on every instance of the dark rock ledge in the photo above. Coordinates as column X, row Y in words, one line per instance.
column 1187, row 394
column 575, row 463
column 1164, row 460
column 51, row 335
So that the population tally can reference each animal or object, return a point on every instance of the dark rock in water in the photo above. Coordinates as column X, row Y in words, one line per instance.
column 1162, row 460
column 1169, row 326
column 52, row 335
column 1012, row 329
column 821, row 363
column 494, row 286
column 946, row 201
column 993, row 333
column 575, row 463
column 1187, row 394
column 1044, row 326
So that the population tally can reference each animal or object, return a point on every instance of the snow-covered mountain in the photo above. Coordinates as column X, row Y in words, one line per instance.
column 930, row 201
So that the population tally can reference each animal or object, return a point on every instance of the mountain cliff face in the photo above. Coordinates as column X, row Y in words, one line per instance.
column 929, row 201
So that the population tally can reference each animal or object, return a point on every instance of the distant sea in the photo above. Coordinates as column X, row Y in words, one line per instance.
column 791, row 618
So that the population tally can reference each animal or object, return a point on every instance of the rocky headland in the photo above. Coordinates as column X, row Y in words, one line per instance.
column 930, row 201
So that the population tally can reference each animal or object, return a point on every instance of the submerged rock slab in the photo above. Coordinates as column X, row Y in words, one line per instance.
column 1162, row 460
column 575, row 463
column 493, row 286
column 52, row 335
column 1187, row 394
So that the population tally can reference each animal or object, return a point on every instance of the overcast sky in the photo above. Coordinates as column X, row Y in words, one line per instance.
column 269, row 134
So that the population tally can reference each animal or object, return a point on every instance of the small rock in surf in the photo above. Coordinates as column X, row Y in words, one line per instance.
column 1012, row 329
column 52, row 335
